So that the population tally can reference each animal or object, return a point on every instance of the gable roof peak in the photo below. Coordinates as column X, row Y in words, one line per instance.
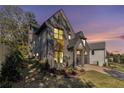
column 80, row 34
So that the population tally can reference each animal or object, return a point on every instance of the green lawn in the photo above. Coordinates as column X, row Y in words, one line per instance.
column 119, row 67
column 101, row 80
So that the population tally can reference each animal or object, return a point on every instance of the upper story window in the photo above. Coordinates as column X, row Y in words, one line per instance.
column 69, row 37
column 92, row 52
column 84, row 41
column 58, row 33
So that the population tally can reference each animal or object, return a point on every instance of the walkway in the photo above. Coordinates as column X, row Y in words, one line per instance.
column 88, row 67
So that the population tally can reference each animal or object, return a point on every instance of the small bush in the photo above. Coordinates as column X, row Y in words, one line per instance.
column 12, row 68
column 6, row 84
column 104, row 65
column 74, row 72
column 97, row 63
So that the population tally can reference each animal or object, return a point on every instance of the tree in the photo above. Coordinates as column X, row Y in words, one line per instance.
column 14, row 26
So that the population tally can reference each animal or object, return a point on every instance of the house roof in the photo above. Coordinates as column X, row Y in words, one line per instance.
column 72, row 42
column 78, row 36
column 97, row 45
column 62, row 14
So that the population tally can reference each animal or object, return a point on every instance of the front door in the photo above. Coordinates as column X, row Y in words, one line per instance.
column 78, row 58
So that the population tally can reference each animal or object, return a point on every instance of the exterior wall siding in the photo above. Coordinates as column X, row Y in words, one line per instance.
column 45, row 41
column 40, row 46
column 99, row 56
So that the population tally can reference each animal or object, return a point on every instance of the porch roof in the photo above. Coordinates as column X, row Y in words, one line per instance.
column 74, row 41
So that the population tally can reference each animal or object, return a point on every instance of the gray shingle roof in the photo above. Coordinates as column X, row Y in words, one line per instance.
column 97, row 45
column 73, row 41
column 80, row 34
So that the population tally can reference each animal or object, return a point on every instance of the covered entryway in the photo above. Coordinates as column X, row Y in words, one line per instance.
column 78, row 59
column 86, row 57
column 79, row 53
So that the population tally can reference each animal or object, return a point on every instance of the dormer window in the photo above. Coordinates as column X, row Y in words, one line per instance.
column 69, row 37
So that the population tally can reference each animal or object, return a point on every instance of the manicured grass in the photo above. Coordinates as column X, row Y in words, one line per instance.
column 119, row 67
column 102, row 80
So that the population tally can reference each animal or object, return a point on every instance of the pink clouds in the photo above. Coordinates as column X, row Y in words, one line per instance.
column 112, row 34
column 114, row 37
column 121, row 37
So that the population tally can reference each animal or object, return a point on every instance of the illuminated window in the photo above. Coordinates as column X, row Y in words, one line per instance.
column 83, row 41
column 78, row 52
column 37, row 54
column 58, row 34
column 58, row 45
column 69, row 37
column 56, row 55
column 61, row 57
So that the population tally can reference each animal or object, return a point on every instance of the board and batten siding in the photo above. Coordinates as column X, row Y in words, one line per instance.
column 99, row 56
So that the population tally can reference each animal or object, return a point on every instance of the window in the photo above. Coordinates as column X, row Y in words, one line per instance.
column 92, row 52
column 69, row 37
column 58, row 34
column 58, row 45
column 78, row 52
column 83, row 41
column 37, row 54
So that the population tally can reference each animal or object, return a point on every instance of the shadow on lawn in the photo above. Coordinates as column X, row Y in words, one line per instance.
column 115, row 74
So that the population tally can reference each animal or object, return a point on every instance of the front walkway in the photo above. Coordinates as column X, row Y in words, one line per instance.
column 88, row 67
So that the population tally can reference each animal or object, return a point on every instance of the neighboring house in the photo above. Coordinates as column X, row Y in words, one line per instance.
column 56, row 43
column 98, row 53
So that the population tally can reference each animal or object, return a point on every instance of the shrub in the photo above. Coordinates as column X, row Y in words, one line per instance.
column 97, row 63
column 11, row 69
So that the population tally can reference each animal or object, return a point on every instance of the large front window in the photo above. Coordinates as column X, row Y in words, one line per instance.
column 58, row 45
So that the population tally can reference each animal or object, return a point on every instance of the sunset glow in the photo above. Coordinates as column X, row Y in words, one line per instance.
column 99, row 23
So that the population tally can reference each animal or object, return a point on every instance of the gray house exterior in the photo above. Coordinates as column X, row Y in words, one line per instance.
column 98, row 53
column 57, row 43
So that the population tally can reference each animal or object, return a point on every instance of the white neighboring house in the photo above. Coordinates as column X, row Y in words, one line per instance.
column 98, row 53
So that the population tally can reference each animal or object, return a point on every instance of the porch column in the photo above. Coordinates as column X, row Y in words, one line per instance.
column 88, row 57
column 74, row 58
column 82, row 57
